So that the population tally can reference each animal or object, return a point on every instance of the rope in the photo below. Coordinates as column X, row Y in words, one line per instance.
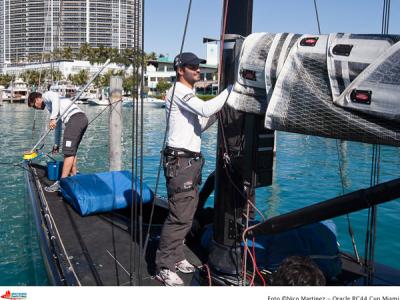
column 385, row 17
column 107, row 106
column 40, row 75
column 374, row 180
column 141, row 143
column 316, row 14
column 349, row 226
column 134, row 261
column 166, row 132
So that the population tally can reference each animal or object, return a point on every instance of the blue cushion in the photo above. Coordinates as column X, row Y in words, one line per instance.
column 102, row 192
column 317, row 241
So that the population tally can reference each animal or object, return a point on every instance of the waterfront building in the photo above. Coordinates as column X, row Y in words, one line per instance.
column 163, row 69
column 156, row 70
column 66, row 67
column 30, row 28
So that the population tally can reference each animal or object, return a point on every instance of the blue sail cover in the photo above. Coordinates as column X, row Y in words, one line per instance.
column 102, row 192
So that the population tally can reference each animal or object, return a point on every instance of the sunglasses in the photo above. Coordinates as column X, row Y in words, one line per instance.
column 192, row 67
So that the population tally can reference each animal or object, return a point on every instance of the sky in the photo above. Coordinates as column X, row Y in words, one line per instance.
column 165, row 20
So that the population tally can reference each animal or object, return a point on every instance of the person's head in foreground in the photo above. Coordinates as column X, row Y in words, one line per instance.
column 298, row 271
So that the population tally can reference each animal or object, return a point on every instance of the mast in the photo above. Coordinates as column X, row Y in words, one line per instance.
column 225, row 256
column 244, row 155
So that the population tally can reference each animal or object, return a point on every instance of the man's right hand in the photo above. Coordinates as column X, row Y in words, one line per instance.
column 52, row 124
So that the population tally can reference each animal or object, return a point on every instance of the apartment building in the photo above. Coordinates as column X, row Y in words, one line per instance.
column 30, row 28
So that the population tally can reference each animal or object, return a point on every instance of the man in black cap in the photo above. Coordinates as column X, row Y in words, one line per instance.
column 187, row 117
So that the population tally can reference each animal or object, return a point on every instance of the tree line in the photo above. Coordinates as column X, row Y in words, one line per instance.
column 95, row 55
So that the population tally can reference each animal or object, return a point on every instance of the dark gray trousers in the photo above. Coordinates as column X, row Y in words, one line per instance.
column 183, row 176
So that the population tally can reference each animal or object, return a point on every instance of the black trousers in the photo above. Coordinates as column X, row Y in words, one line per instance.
column 183, row 176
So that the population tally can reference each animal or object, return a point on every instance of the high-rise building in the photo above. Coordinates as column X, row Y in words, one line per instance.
column 30, row 28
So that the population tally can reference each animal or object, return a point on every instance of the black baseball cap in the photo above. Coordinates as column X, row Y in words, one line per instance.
column 187, row 58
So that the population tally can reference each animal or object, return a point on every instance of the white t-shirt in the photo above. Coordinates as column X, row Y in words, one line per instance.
column 57, row 107
column 190, row 116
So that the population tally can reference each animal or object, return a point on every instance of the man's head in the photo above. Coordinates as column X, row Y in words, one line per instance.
column 297, row 271
column 35, row 100
column 187, row 67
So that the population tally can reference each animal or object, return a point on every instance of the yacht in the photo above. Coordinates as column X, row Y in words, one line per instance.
column 16, row 92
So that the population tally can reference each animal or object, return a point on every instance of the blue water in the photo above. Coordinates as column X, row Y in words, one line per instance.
column 306, row 171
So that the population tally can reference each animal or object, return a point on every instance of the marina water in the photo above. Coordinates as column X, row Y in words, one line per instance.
column 306, row 172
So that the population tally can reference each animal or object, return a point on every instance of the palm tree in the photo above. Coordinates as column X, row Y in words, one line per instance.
column 81, row 78
column 57, row 75
column 67, row 53
column 151, row 56
column 85, row 52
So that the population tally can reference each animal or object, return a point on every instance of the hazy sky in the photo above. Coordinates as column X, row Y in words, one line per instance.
column 165, row 19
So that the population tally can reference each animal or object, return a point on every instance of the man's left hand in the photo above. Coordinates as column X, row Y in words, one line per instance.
column 52, row 124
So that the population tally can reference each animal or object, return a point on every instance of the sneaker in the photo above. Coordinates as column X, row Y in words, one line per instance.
column 185, row 267
column 169, row 278
column 55, row 187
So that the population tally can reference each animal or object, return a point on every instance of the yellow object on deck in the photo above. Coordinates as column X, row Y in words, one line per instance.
column 30, row 155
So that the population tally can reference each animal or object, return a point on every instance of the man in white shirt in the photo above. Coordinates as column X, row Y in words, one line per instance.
column 75, row 122
column 187, row 117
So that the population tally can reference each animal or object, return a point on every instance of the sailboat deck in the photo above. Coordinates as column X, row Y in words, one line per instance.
column 100, row 248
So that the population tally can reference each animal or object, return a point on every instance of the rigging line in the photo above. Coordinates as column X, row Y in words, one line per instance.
column 103, row 110
column 349, row 226
column 166, row 132
column 141, row 140
column 375, row 173
column 135, row 261
column 134, row 212
column 40, row 76
column 244, row 257
column 137, row 129
column 388, row 17
column 316, row 14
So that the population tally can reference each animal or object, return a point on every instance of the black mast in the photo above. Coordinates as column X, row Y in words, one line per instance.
column 230, row 199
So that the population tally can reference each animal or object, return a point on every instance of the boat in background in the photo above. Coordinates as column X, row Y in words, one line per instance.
column 66, row 90
column 159, row 103
column 102, row 98
column 154, row 102
column 1, row 94
column 16, row 92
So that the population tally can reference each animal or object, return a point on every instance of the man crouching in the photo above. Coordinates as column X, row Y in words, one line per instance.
column 75, row 122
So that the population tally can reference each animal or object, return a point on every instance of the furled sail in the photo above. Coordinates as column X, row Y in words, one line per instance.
column 343, row 86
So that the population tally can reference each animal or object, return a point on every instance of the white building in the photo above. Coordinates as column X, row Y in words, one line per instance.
column 29, row 28
column 67, row 67
column 163, row 69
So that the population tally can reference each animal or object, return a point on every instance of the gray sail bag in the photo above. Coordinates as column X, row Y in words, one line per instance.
column 341, row 86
